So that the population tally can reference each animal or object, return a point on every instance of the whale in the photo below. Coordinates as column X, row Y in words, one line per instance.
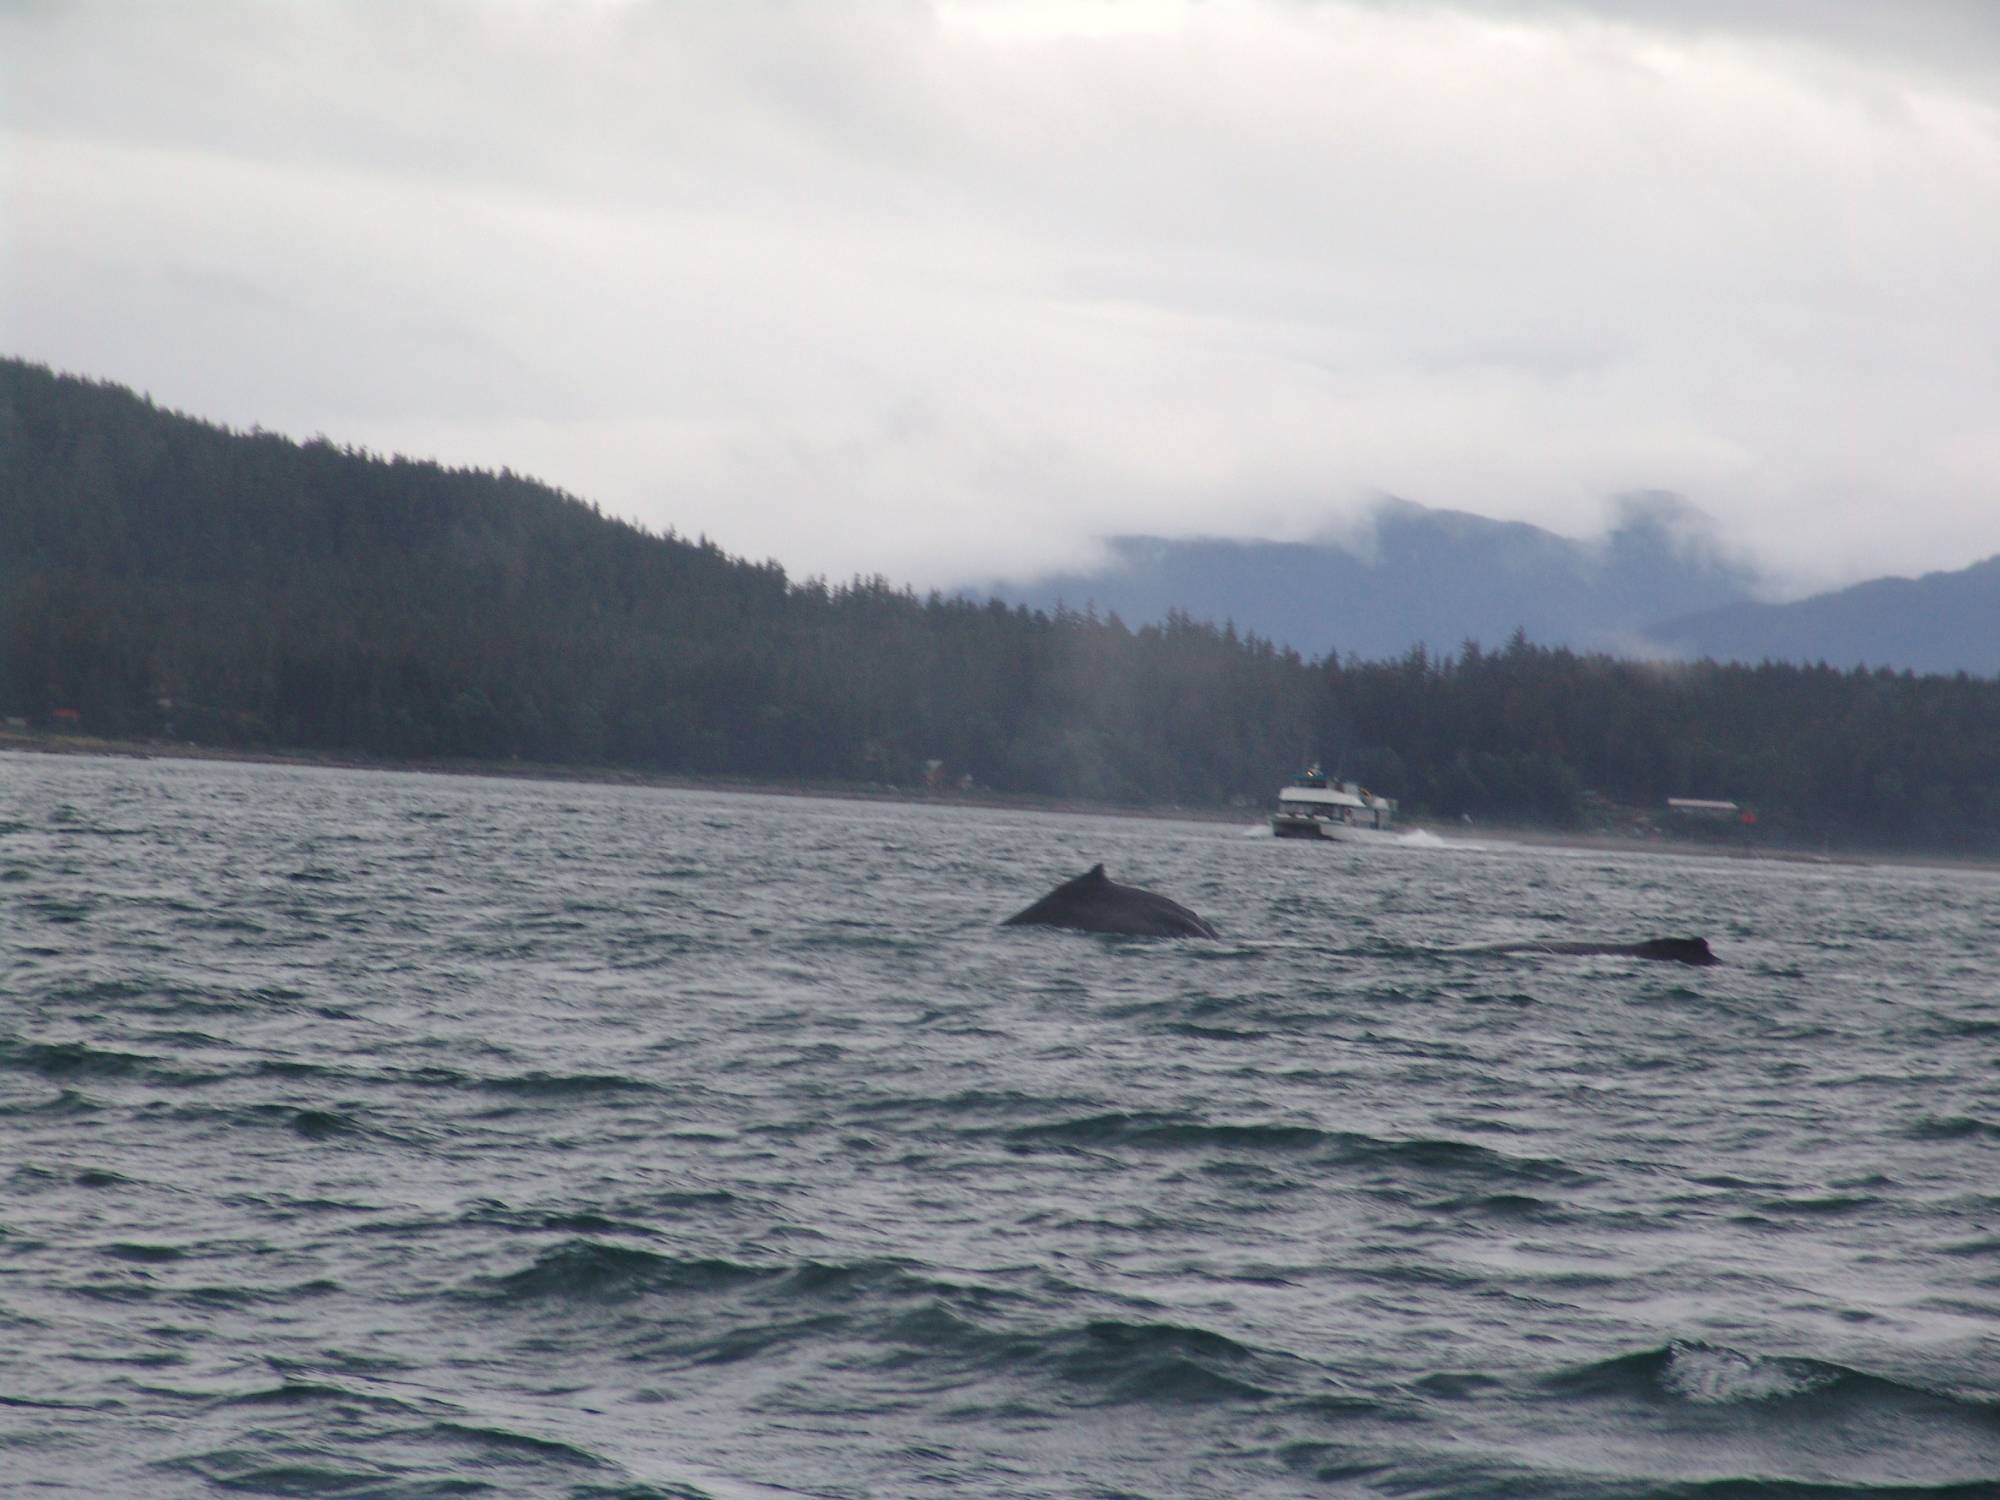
column 1667, row 950
column 1094, row 902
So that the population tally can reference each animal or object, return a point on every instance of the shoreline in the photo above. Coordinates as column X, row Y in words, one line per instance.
column 30, row 743
column 46, row 744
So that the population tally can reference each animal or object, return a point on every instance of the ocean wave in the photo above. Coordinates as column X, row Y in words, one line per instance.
column 1954, row 1128
column 1693, row 1373
column 324, row 1124
column 976, row 1104
column 1099, row 1362
column 1385, row 1158
column 503, row 1443
column 567, row 1085
column 1214, row 1033
column 64, row 1101
column 1988, row 1244
column 298, row 1391
column 310, row 1122
column 1152, row 1363
column 914, row 1327
column 249, row 1471
column 1444, row 1156
column 591, row 1271
column 492, row 1214
column 1833, row 1205
column 398, row 1451
column 222, row 921
column 142, row 1254
column 834, row 1284
column 1794, row 1489
column 1168, row 1132
column 1960, row 1027
column 1503, row 1206
column 56, row 1060
column 126, row 993
column 1701, row 1373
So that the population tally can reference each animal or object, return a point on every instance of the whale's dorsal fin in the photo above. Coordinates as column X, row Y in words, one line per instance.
column 1095, row 874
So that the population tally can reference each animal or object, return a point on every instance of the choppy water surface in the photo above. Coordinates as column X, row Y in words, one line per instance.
column 386, row 1135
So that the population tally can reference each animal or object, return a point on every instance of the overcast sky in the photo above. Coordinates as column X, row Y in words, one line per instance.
column 944, row 289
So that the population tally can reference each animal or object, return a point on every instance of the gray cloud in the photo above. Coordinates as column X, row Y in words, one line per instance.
column 950, row 290
column 1959, row 38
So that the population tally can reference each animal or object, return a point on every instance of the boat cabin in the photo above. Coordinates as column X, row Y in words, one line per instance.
column 1315, row 807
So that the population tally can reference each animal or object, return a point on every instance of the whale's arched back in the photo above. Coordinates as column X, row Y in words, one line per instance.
column 1094, row 902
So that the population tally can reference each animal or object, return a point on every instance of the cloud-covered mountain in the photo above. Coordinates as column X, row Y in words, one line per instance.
column 1941, row 622
column 1439, row 577
column 951, row 289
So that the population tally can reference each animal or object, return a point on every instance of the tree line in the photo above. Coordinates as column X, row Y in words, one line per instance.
column 163, row 577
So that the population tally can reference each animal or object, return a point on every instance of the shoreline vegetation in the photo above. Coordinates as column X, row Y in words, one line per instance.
column 167, row 582
column 31, row 742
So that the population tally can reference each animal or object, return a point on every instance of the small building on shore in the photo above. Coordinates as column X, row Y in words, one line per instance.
column 1709, row 815
column 1703, row 809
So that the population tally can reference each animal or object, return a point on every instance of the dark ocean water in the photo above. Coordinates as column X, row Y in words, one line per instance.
column 384, row 1135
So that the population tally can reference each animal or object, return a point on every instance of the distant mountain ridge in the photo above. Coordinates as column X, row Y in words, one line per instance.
column 1657, row 585
column 1939, row 623
column 1418, row 575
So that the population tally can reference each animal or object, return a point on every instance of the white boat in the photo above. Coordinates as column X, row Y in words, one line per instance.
column 1314, row 808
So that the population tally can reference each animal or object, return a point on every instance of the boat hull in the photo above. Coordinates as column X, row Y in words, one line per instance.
column 1292, row 826
column 1297, row 826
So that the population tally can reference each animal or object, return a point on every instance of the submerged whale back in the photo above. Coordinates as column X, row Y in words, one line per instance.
column 1093, row 902
column 1679, row 950
column 1671, row 950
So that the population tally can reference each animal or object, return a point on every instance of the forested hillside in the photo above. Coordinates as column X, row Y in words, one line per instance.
column 163, row 577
